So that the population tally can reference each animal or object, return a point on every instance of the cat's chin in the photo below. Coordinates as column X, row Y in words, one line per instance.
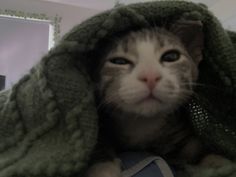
column 148, row 108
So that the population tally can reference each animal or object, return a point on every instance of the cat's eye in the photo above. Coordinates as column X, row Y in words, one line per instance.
column 120, row 61
column 170, row 56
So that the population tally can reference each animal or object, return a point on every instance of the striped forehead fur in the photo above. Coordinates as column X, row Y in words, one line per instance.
column 160, row 37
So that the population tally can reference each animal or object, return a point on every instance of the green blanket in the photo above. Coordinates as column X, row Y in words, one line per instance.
column 49, row 119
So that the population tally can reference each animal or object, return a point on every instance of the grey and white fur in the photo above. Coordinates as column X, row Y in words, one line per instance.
column 144, row 82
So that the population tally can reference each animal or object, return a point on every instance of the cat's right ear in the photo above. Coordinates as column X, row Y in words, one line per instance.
column 191, row 34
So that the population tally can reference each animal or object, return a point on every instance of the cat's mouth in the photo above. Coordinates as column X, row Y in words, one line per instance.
column 150, row 98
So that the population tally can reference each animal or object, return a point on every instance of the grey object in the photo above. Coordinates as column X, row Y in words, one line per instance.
column 138, row 164
column 2, row 82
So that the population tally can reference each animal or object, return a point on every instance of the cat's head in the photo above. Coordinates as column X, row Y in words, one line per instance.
column 151, row 71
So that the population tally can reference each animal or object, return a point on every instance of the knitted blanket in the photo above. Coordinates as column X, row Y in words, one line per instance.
column 49, row 118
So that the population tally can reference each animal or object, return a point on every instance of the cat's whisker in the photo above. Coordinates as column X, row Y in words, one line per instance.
column 105, row 104
column 200, row 85
column 106, row 101
column 196, row 95
column 101, row 105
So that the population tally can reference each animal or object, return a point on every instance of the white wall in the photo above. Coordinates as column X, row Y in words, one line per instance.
column 20, row 57
column 71, row 15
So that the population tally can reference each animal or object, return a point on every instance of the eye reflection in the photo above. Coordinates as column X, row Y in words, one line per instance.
column 170, row 56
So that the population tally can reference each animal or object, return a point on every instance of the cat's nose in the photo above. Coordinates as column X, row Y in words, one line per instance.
column 150, row 79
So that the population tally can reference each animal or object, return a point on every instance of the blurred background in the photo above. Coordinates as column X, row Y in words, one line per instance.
column 225, row 10
column 29, row 28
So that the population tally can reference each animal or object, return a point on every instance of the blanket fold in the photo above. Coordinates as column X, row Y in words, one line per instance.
column 49, row 121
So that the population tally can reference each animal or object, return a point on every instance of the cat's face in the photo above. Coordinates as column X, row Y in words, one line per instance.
column 148, row 72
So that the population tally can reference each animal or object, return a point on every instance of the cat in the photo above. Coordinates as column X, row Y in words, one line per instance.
column 144, row 82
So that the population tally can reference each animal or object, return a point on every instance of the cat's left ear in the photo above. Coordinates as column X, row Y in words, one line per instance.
column 191, row 34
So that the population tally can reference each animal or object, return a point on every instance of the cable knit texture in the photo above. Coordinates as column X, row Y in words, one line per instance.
column 49, row 120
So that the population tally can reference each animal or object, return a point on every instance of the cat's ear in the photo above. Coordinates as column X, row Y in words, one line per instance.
column 191, row 34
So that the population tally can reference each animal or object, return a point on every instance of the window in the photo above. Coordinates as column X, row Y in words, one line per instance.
column 23, row 43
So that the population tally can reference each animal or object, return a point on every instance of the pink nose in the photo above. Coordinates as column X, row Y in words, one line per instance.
column 150, row 79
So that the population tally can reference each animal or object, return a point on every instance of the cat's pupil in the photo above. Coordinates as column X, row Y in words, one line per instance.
column 120, row 61
column 170, row 56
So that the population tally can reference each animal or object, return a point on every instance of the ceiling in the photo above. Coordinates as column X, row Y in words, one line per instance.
column 223, row 9
column 106, row 4
column 91, row 4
